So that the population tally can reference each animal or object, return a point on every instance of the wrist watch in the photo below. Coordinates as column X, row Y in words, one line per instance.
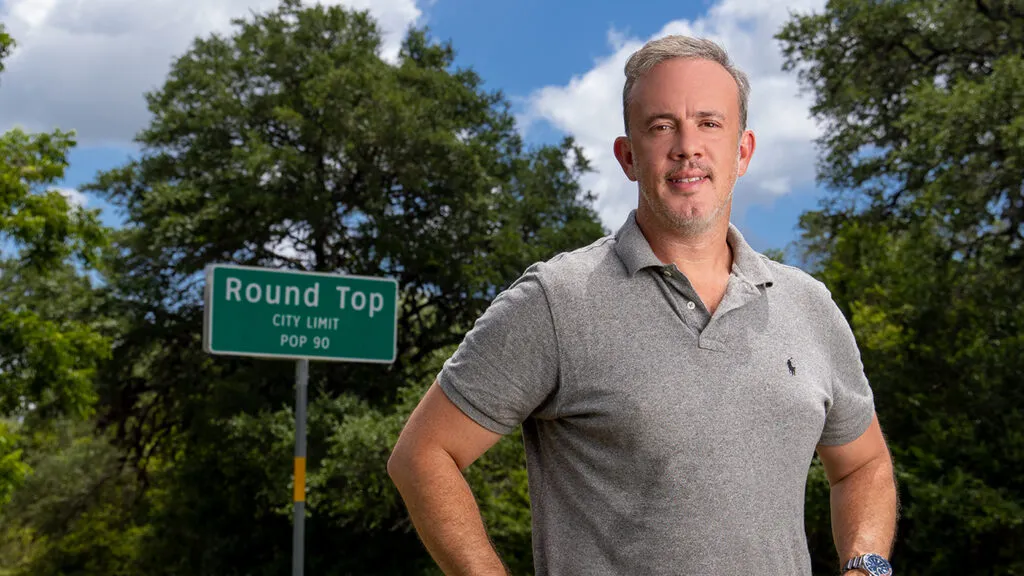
column 871, row 564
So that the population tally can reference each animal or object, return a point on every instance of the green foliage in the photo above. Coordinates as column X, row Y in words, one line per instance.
column 921, row 106
column 817, row 521
column 12, row 469
column 351, row 503
column 40, row 220
column 50, row 345
column 45, row 359
column 776, row 254
column 6, row 43
column 499, row 482
column 940, row 339
column 922, row 245
column 74, row 513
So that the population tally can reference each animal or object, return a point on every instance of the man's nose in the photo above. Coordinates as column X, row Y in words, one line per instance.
column 687, row 143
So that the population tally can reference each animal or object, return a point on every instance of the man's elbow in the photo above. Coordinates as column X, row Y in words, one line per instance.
column 411, row 459
column 399, row 463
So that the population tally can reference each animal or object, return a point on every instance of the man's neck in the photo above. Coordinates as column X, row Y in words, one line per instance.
column 700, row 257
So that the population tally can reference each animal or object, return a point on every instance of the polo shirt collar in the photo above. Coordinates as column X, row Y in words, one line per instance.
column 635, row 252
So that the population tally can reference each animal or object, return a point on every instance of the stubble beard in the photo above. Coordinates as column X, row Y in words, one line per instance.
column 686, row 226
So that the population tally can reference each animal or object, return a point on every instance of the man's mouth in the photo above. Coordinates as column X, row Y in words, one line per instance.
column 686, row 180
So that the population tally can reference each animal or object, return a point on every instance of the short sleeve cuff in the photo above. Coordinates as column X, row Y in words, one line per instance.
column 850, row 429
column 445, row 381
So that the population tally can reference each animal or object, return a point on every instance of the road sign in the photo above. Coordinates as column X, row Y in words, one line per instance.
column 271, row 313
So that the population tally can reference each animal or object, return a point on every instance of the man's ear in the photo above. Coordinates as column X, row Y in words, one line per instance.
column 746, row 151
column 624, row 154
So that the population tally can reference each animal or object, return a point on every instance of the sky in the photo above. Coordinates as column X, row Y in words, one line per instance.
column 86, row 65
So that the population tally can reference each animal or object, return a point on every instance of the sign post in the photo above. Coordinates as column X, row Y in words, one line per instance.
column 284, row 314
column 299, row 496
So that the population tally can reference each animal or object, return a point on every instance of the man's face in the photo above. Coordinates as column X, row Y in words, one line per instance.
column 685, row 149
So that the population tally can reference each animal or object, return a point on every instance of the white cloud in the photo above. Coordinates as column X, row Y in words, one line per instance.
column 74, row 197
column 589, row 106
column 85, row 65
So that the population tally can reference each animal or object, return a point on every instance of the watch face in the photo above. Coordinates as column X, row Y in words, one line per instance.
column 877, row 565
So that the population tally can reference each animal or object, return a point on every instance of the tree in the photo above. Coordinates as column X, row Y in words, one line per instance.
column 78, row 512
column 48, row 354
column 920, row 241
column 291, row 143
column 6, row 42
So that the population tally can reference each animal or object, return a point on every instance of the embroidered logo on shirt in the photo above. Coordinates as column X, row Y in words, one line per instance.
column 792, row 366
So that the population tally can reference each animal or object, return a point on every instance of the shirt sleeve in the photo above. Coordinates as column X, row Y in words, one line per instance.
column 507, row 365
column 852, row 407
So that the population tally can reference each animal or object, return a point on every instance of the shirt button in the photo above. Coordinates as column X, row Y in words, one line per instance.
column 667, row 272
column 691, row 305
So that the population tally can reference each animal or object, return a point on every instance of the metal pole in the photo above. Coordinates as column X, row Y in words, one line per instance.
column 299, row 497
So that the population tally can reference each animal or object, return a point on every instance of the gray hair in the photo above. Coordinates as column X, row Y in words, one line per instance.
column 669, row 47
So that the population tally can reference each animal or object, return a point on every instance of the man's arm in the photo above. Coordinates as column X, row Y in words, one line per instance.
column 436, row 445
column 863, row 494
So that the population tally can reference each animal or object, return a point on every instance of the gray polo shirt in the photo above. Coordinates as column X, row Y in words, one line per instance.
column 661, row 439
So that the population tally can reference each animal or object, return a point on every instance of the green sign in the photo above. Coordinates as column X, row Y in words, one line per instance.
column 264, row 312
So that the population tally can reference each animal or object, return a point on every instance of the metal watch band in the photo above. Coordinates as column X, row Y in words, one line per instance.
column 858, row 563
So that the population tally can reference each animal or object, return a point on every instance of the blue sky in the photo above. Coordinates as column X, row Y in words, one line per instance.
column 559, row 63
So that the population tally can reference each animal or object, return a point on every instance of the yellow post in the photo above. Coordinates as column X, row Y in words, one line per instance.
column 300, row 479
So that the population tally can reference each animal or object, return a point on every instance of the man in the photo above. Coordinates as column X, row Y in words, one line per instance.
column 672, row 384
